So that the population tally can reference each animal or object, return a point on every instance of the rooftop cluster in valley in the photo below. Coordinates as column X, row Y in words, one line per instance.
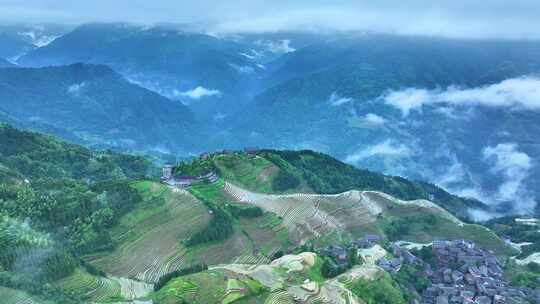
column 459, row 272
column 465, row 273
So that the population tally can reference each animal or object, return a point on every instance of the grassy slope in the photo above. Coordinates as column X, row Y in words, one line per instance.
column 148, row 239
column 92, row 288
column 423, row 231
column 319, row 173
column 160, row 227
column 12, row 296
column 212, row 286
column 262, row 234
column 256, row 174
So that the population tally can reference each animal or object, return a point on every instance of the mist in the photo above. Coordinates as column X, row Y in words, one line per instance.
column 493, row 19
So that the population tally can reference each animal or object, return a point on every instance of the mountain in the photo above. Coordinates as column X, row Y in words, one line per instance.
column 5, row 64
column 76, row 225
column 37, row 35
column 332, row 93
column 332, row 97
column 12, row 46
column 94, row 105
column 56, row 199
column 164, row 59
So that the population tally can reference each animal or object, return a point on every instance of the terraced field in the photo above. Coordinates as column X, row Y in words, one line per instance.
column 251, row 173
column 149, row 238
column 212, row 286
column 12, row 296
column 90, row 287
column 357, row 212
column 313, row 215
column 286, row 279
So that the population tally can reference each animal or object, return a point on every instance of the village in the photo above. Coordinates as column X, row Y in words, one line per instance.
column 211, row 177
column 459, row 272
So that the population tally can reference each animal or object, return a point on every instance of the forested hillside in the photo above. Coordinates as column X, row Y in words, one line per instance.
column 5, row 64
column 275, row 171
column 57, row 200
column 68, row 215
column 94, row 105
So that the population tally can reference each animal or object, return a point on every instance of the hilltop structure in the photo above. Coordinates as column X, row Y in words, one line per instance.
column 186, row 180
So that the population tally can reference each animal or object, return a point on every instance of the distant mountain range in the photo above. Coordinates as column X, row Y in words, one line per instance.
column 5, row 64
column 448, row 111
column 94, row 105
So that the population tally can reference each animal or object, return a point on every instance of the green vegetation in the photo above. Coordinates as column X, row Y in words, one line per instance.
column 89, row 287
column 325, row 174
column 194, row 168
column 523, row 276
column 517, row 232
column 315, row 272
column 285, row 181
column 406, row 223
column 381, row 290
column 243, row 210
column 250, row 173
column 211, row 286
column 177, row 273
column 411, row 276
column 220, row 226
column 57, row 201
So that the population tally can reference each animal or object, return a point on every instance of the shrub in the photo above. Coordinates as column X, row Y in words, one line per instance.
column 178, row 273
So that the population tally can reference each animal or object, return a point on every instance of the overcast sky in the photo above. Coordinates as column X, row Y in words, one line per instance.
column 513, row 19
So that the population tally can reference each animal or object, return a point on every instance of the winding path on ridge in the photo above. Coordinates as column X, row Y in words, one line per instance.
column 318, row 214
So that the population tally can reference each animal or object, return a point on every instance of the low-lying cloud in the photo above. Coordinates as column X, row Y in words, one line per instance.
column 337, row 100
column 76, row 88
column 277, row 47
column 507, row 164
column 514, row 166
column 449, row 18
column 516, row 93
column 387, row 148
column 200, row 92
column 372, row 119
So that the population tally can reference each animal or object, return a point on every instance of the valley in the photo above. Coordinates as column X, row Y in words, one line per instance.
column 186, row 239
column 197, row 153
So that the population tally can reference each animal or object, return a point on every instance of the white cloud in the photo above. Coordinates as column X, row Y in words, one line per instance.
column 373, row 119
column 515, row 93
column 337, row 100
column 407, row 100
column 76, row 88
column 385, row 149
column 450, row 18
column 276, row 47
column 200, row 92
column 244, row 69
column 514, row 167
column 507, row 163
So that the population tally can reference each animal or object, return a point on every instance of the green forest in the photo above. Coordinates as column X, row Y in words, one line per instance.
column 57, row 202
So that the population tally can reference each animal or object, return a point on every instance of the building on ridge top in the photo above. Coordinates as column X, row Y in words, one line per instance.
column 251, row 151
column 166, row 172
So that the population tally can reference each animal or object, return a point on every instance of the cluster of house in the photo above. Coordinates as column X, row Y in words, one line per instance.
column 465, row 273
column 462, row 272
column 339, row 254
column 186, row 181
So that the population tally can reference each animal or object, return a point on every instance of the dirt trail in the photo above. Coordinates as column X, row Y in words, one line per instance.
column 132, row 289
column 319, row 214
